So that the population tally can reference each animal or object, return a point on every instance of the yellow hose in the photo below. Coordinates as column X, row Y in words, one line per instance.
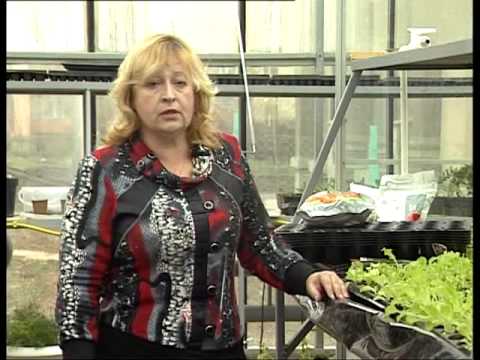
column 16, row 224
column 279, row 221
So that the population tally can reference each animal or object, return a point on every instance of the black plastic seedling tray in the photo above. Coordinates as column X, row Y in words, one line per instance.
column 408, row 240
column 366, row 332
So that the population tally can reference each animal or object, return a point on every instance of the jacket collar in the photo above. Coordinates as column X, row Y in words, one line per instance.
column 148, row 165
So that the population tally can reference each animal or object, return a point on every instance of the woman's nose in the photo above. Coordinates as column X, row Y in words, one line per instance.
column 168, row 93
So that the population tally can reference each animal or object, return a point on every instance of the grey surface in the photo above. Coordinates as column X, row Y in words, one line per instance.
column 454, row 55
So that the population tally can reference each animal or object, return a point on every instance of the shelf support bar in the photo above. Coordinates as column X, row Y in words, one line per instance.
column 404, row 122
column 299, row 336
column 330, row 137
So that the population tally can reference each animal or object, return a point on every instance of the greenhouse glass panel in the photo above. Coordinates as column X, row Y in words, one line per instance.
column 365, row 139
column 288, row 135
column 105, row 112
column 280, row 26
column 226, row 115
column 366, row 25
column 44, row 138
column 439, row 136
column 330, row 26
column 440, row 133
column 452, row 20
column 56, row 26
column 208, row 26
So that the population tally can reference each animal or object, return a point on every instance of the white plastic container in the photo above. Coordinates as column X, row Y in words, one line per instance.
column 54, row 195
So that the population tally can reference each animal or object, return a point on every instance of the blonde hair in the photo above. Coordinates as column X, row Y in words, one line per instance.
column 139, row 64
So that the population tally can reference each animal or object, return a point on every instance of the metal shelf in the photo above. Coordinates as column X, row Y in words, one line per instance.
column 455, row 55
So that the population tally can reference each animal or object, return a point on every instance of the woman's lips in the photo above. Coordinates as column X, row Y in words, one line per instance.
column 169, row 112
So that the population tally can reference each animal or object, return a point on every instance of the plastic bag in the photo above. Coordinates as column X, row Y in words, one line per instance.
column 336, row 209
column 402, row 197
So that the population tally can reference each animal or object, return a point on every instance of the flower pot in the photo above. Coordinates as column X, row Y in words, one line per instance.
column 40, row 206
column 288, row 203
column 32, row 353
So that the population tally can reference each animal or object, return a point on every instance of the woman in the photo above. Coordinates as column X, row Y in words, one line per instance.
column 155, row 218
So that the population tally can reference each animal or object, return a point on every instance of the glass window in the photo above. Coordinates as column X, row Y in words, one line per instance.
column 440, row 129
column 208, row 26
column 365, row 139
column 440, row 135
column 226, row 114
column 288, row 135
column 46, row 26
column 452, row 20
column 44, row 139
column 280, row 26
column 105, row 112
column 366, row 25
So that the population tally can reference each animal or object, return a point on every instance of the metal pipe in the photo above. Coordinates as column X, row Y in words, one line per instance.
column 404, row 122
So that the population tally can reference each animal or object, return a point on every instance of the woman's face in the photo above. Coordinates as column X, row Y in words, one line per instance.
column 165, row 101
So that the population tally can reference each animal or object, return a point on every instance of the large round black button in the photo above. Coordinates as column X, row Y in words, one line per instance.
column 208, row 205
column 214, row 246
column 211, row 289
column 209, row 330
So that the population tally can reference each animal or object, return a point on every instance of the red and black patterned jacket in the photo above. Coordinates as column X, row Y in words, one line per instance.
column 162, row 268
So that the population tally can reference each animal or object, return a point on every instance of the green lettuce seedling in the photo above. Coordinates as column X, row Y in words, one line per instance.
column 429, row 293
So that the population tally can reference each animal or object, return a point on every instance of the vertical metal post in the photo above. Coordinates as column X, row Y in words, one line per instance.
column 242, row 11
column 340, row 66
column 242, row 288
column 93, row 121
column 404, row 122
column 318, row 107
column 242, row 297
column 298, row 160
column 87, row 128
column 90, row 24
column 319, row 60
column 341, row 351
column 390, row 98
column 280, row 324
column 89, row 131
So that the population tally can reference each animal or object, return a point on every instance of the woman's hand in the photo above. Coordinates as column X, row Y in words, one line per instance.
column 326, row 282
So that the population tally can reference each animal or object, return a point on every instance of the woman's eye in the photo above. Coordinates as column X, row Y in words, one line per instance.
column 181, row 83
column 152, row 83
